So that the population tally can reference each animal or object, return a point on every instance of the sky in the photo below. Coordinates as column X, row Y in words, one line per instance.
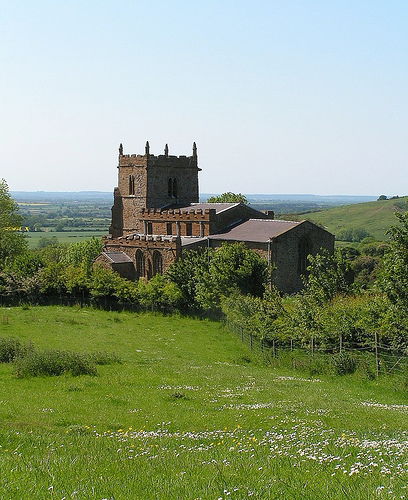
column 281, row 96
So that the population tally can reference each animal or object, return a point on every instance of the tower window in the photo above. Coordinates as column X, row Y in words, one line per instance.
column 189, row 229
column 169, row 228
column 131, row 185
column 172, row 188
column 149, row 228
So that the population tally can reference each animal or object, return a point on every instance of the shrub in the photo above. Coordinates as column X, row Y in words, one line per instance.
column 10, row 349
column 312, row 365
column 344, row 363
column 53, row 363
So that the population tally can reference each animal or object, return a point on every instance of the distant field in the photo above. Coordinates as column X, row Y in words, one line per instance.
column 90, row 212
column 33, row 238
column 375, row 216
column 189, row 414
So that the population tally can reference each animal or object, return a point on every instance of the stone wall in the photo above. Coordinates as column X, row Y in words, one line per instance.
column 285, row 254
column 238, row 213
column 169, row 249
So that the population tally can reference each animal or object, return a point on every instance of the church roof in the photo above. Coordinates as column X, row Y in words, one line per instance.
column 219, row 207
column 117, row 257
column 257, row 230
column 192, row 240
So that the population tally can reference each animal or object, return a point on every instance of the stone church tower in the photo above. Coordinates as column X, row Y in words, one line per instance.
column 151, row 182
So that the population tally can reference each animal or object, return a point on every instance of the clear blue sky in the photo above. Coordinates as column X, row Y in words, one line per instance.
column 281, row 96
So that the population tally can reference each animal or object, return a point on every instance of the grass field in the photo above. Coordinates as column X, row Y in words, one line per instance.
column 375, row 217
column 34, row 238
column 187, row 415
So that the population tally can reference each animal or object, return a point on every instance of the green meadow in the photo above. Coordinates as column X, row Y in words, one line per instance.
column 189, row 413
column 72, row 236
column 375, row 217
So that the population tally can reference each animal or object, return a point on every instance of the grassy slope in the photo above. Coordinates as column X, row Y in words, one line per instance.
column 186, row 416
column 375, row 217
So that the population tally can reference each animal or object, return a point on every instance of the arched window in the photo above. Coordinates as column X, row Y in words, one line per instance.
column 304, row 249
column 157, row 263
column 131, row 185
column 172, row 188
column 140, row 270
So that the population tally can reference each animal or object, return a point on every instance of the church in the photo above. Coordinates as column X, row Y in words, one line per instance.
column 156, row 216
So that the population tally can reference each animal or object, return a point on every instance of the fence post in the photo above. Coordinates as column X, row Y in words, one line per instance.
column 242, row 334
column 377, row 355
column 312, row 346
column 341, row 343
column 274, row 348
column 250, row 340
column 291, row 344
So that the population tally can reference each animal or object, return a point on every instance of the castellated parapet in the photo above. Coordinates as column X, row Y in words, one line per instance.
column 194, row 222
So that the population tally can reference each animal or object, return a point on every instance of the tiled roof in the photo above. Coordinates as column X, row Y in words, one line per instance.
column 257, row 230
column 192, row 240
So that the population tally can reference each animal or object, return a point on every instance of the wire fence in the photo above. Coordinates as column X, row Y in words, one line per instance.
column 375, row 357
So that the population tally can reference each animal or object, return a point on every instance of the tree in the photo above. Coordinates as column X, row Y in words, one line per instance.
column 12, row 240
column 232, row 268
column 258, row 315
column 187, row 273
column 228, row 198
column 83, row 253
column 394, row 275
column 328, row 276
column 205, row 276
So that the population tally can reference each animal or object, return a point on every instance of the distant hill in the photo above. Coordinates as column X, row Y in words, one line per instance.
column 375, row 217
column 336, row 213
column 59, row 196
column 280, row 203
column 295, row 203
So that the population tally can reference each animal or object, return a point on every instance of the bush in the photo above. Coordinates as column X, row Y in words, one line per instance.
column 53, row 363
column 344, row 363
column 10, row 349
column 312, row 365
